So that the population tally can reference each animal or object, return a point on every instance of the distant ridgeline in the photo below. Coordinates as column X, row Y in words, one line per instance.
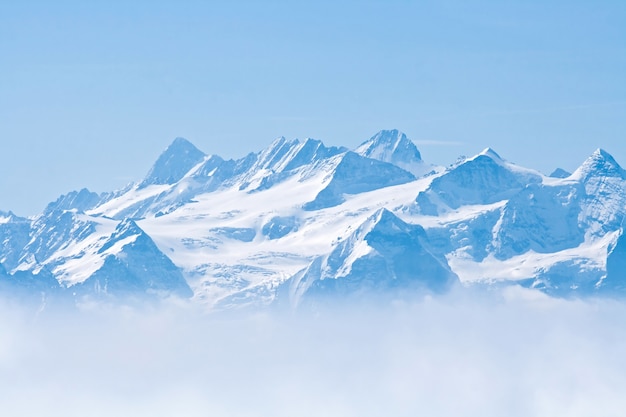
column 300, row 222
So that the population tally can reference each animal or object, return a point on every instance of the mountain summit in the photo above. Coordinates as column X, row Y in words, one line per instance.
column 173, row 163
column 384, row 253
column 599, row 164
column 394, row 147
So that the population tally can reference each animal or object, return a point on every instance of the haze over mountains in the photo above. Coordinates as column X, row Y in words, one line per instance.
column 299, row 221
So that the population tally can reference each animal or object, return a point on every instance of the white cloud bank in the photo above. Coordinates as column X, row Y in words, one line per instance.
column 509, row 354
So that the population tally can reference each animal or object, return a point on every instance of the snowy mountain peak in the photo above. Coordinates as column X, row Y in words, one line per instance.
column 385, row 219
column 127, row 228
column 394, row 147
column 180, row 142
column 600, row 163
column 381, row 220
column 483, row 179
column 131, row 263
column 390, row 146
column 383, row 253
column 491, row 154
column 174, row 163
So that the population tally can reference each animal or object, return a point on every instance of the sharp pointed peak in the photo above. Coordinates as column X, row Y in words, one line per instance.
column 383, row 216
column 384, row 221
column 394, row 147
column 173, row 163
column 127, row 224
column 599, row 163
column 179, row 140
column 388, row 136
column 601, row 153
column 601, row 156
column 181, row 145
column 124, row 229
column 390, row 132
column 383, row 212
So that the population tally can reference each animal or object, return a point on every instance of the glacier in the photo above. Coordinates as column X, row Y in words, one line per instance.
column 301, row 222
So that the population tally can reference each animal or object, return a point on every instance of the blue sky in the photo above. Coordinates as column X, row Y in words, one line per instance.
column 90, row 94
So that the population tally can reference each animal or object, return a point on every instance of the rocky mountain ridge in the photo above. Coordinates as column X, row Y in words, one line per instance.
column 302, row 220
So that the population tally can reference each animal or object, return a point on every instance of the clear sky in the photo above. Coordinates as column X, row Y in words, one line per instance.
column 92, row 92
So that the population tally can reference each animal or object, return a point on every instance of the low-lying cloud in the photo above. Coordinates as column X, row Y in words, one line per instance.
column 515, row 353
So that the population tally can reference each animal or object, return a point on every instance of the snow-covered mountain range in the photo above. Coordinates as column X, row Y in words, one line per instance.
column 300, row 220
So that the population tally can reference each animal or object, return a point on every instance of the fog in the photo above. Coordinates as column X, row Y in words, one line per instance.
column 509, row 353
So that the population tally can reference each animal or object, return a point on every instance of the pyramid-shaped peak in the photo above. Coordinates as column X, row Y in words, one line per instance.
column 134, row 264
column 384, row 215
column 601, row 154
column 394, row 147
column 181, row 146
column 127, row 225
column 127, row 228
column 174, row 163
column 180, row 141
column 383, row 220
column 390, row 135
column 387, row 143
column 599, row 163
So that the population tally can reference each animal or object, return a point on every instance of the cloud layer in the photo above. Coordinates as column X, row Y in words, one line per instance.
column 515, row 353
